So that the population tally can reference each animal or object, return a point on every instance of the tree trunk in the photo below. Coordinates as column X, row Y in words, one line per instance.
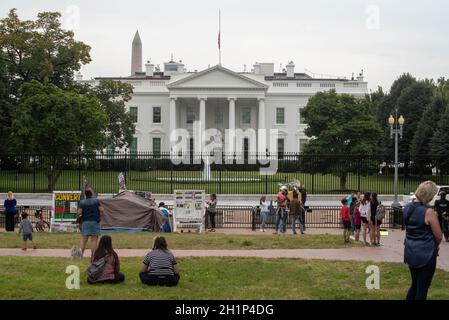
column 52, row 176
column 343, row 179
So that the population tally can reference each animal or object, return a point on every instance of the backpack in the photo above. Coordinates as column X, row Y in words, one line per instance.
column 380, row 212
column 96, row 268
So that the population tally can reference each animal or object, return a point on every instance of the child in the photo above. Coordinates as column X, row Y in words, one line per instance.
column 357, row 221
column 264, row 211
column 27, row 231
column 344, row 213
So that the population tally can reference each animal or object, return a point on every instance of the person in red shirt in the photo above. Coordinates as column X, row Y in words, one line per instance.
column 346, row 219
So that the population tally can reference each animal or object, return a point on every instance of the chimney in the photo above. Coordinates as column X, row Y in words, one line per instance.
column 149, row 69
column 78, row 77
column 136, row 55
column 360, row 77
column 290, row 69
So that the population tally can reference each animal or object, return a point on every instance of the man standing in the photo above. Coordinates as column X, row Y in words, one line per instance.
column 89, row 211
column 442, row 209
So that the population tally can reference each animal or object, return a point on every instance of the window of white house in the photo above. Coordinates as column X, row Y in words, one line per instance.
column 133, row 146
column 246, row 115
column 156, row 146
column 280, row 115
column 157, row 115
column 302, row 143
column 281, row 148
column 133, row 112
column 300, row 116
column 218, row 116
column 190, row 114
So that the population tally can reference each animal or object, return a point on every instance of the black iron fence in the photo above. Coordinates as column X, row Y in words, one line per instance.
column 248, row 217
column 161, row 173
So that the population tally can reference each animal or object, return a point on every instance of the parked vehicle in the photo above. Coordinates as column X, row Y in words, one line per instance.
column 412, row 196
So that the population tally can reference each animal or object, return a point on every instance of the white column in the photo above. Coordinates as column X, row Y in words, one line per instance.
column 261, row 113
column 231, row 113
column 202, row 120
column 230, row 137
column 262, row 142
column 172, row 116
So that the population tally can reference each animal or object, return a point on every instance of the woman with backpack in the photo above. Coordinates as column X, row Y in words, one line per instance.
column 105, row 266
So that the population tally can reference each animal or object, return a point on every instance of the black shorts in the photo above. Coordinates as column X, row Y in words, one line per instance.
column 347, row 225
column 357, row 226
column 375, row 221
column 364, row 220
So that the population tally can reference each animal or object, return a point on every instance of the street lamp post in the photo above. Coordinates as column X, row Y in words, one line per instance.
column 396, row 125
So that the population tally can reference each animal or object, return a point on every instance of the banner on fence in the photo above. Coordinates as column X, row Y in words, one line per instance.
column 188, row 209
column 65, row 207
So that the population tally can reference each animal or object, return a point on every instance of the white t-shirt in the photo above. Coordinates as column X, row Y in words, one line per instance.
column 365, row 210
column 264, row 206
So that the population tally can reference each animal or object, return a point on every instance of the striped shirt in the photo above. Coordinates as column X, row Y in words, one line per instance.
column 160, row 262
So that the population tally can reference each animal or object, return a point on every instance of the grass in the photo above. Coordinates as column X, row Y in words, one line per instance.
column 216, row 278
column 106, row 181
column 143, row 240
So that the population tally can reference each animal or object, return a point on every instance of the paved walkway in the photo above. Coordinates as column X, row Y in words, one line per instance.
column 390, row 251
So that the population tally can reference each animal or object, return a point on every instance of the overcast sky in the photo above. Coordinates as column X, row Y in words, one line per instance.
column 384, row 37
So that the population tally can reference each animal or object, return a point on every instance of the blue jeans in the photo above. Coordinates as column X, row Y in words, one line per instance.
column 281, row 220
column 263, row 219
column 301, row 223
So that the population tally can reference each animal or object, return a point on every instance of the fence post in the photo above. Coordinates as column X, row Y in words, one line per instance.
column 34, row 173
column 171, row 176
column 219, row 178
column 79, row 171
column 266, row 183
column 313, row 182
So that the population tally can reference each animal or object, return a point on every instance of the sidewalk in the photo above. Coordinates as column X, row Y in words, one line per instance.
column 390, row 251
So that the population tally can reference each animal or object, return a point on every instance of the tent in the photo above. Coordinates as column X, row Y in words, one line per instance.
column 131, row 212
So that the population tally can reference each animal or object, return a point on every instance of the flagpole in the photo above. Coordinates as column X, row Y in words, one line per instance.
column 219, row 37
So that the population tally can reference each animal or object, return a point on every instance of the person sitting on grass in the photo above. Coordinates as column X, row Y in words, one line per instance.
column 110, row 272
column 26, row 228
column 159, row 267
column 344, row 213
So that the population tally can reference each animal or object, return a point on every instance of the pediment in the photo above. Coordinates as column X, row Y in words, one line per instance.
column 217, row 77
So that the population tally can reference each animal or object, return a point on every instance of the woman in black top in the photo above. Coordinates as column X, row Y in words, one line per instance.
column 374, row 223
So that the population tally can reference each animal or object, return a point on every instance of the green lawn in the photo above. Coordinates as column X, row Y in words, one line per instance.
column 217, row 278
column 158, row 181
column 143, row 240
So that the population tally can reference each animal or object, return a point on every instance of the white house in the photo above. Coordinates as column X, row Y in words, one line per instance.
column 172, row 98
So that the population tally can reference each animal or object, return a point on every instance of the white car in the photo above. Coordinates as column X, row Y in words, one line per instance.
column 412, row 196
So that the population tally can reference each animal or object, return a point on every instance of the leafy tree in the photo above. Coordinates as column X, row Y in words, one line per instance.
column 40, row 50
column 112, row 96
column 340, row 124
column 387, row 105
column 54, row 121
column 440, row 141
column 4, row 106
column 411, row 104
column 422, row 139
